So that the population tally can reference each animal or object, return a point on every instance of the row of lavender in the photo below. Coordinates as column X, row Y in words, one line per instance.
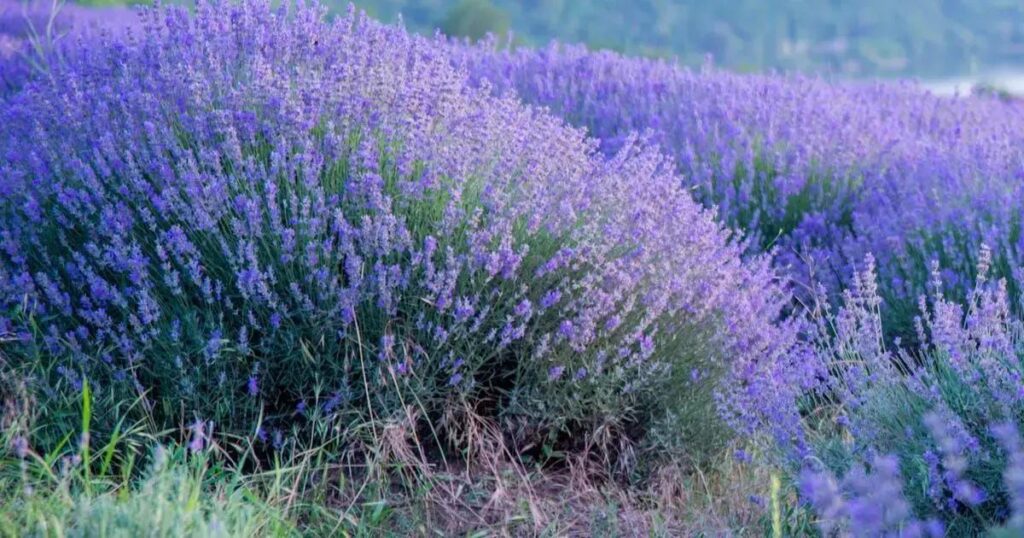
column 266, row 218
column 824, row 173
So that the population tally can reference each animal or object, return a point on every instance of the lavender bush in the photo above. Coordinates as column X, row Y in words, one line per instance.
column 865, row 503
column 251, row 212
column 947, row 415
column 824, row 172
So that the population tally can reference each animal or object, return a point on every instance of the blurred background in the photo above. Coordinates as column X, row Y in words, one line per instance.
column 947, row 44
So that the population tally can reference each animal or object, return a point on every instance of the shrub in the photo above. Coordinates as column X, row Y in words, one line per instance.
column 946, row 416
column 867, row 503
column 250, row 215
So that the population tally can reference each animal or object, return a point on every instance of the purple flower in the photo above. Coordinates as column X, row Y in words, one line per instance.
column 550, row 299
column 387, row 345
column 332, row 403
column 821, row 490
column 214, row 343
column 20, row 447
column 463, row 309
column 524, row 308
column 197, row 437
column 870, row 501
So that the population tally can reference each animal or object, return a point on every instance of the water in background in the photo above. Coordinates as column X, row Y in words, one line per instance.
column 1008, row 80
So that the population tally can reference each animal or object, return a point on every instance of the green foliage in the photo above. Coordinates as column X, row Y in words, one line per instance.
column 475, row 19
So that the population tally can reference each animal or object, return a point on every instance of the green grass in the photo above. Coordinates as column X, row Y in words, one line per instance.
column 131, row 485
column 175, row 497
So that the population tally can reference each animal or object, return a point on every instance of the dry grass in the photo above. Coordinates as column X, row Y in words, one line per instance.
column 17, row 406
column 490, row 491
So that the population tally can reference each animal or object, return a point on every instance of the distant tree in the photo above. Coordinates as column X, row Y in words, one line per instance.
column 987, row 89
column 475, row 19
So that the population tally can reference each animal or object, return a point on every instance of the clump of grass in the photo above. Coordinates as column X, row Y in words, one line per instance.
column 130, row 485
column 176, row 497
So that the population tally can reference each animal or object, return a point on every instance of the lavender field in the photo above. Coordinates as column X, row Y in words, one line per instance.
column 276, row 270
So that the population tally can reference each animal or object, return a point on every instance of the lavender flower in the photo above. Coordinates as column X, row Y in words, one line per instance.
column 197, row 437
column 1009, row 438
column 20, row 447
column 550, row 299
column 867, row 502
